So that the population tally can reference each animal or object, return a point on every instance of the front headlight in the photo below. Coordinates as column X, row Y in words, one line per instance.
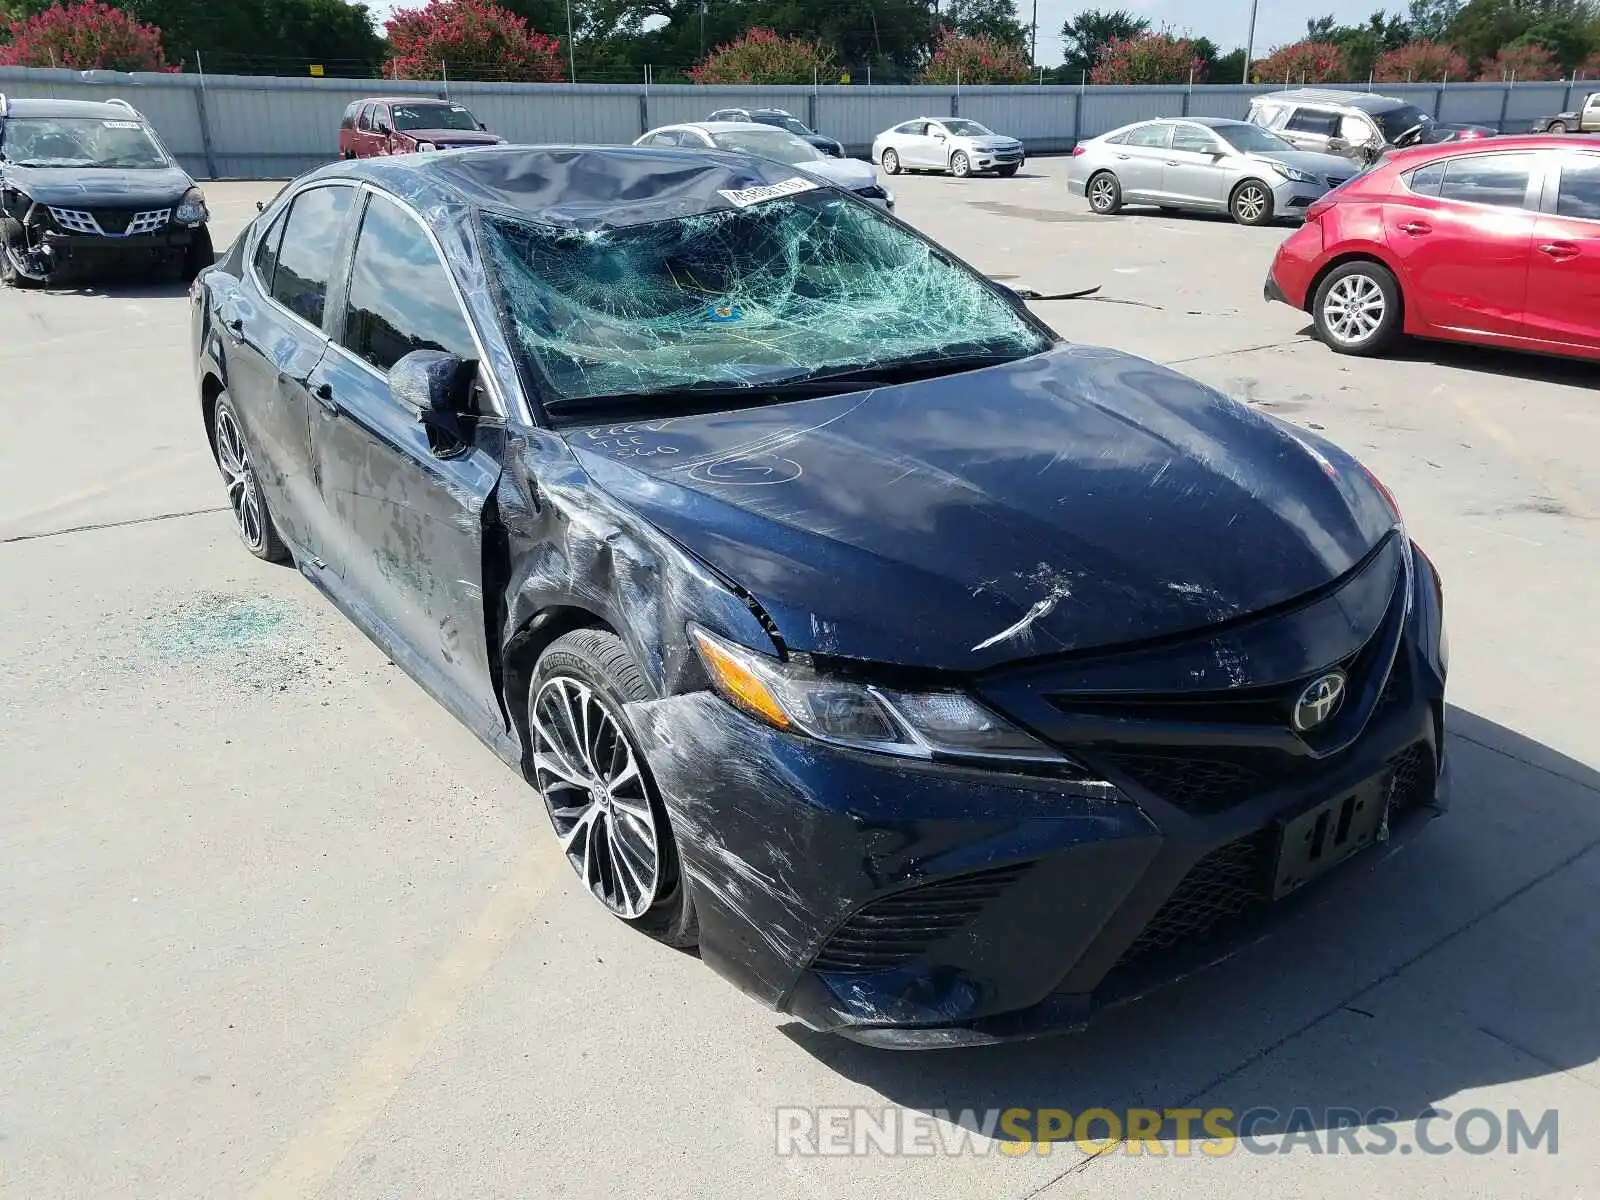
column 192, row 208
column 946, row 725
column 1293, row 175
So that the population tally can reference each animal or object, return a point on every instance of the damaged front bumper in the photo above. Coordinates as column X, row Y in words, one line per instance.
column 911, row 904
column 55, row 255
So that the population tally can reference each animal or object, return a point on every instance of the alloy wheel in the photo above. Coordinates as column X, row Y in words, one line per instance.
column 1354, row 309
column 1251, row 203
column 891, row 163
column 244, row 496
column 960, row 165
column 1102, row 193
column 588, row 773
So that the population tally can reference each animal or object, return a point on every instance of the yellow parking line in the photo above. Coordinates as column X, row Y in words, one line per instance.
column 1555, row 488
column 312, row 1159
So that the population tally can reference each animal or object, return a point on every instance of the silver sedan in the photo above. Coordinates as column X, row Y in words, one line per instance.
column 952, row 144
column 1203, row 164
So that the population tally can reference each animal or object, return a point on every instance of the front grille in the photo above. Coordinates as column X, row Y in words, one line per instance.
column 1228, row 882
column 1205, row 781
column 898, row 928
column 111, row 222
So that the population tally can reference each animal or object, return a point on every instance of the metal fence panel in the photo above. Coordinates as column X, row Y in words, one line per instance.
column 264, row 127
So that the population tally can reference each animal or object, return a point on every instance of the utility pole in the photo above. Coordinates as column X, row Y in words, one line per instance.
column 572, row 51
column 1250, row 42
column 702, row 28
column 1033, row 40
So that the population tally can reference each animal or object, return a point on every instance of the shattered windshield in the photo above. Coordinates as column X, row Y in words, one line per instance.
column 1395, row 121
column 769, row 143
column 779, row 290
column 80, row 142
column 432, row 116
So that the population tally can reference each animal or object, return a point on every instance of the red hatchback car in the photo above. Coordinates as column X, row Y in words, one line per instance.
column 1496, row 242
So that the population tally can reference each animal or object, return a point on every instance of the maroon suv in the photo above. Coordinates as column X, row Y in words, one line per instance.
column 405, row 124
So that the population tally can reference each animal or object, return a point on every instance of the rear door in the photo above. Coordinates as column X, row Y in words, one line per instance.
column 366, row 138
column 406, row 502
column 1141, row 159
column 1195, row 173
column 1564, row 268
column 1461, row 229
column 276, row 343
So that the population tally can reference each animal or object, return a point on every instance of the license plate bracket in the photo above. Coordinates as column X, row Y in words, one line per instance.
column 1324, row 836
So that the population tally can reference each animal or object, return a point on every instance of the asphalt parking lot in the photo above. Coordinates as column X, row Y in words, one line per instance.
column 273, row 925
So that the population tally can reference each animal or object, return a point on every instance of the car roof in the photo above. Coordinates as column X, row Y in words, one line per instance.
column 91, row 109
column 718, row 126
column 1334, row 97
column 578, row 187
column 404, row 100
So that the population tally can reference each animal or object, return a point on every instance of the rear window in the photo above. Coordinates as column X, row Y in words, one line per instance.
column 1496, row 179
column 1150, row 136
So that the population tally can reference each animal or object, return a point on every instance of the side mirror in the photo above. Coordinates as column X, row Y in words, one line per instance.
column 482, row 128
column 385, row 128
column 1337, row 145
column 432, row 384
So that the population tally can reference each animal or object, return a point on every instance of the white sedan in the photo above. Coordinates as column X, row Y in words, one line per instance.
column 952, row 144
column 851, row 174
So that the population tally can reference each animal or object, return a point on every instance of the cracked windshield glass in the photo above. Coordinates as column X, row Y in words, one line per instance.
column 773, row 292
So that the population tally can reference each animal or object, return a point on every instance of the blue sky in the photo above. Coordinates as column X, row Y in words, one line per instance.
column 1223, row 21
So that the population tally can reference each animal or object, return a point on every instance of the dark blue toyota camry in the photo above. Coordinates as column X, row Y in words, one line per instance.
column 942, row 681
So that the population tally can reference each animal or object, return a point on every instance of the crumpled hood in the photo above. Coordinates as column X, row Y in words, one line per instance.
column 1311, row 162
column 1077, row 499
column 456, row 137
column 849, row 173
column 89, row 187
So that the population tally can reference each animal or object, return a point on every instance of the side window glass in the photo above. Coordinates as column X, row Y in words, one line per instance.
column 365, row 123
column 310, row 243
column 400, row 296
column 1580, row 188
column 1497, row 179
column 1425, row 181
column 1152, row 137
column 1194, row 139
column 1311, row 120
column 267, row 253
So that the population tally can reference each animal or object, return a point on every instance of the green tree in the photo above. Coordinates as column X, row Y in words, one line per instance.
column 1088, row 33
column 976, row 60
column 992, row 19
column 1226, row 68
column 1430, row 19
column 1151, row 58
column 1361, row 45
column 761, row 56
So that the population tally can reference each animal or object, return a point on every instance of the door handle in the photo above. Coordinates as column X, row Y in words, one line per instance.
column 1172, row 162
column 1559, row 250
column 1416, row 228
column 322, row 393
column 1124, row 157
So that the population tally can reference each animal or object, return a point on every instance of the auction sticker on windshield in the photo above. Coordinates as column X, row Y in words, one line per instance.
column 120, row 124
column 745, row 197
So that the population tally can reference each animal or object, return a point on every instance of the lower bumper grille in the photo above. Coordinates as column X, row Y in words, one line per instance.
column 1236, row 878
column 897, row 928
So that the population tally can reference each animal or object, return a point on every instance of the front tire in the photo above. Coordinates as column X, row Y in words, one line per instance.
column 598, row 789
column 1557, row 127
column 11, row 235
column 1105, row 194
column 1358, row 309
column 1251, row 203
column 891, row 163
column 249, row 505
column 960, row 164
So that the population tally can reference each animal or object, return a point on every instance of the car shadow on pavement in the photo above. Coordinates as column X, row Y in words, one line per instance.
column 1465, row 957
column 1489, row 360
column 133, row 289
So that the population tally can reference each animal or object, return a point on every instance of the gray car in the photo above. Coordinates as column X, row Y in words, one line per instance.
column 1203, row 164
column 750, row 137
column 952, row 144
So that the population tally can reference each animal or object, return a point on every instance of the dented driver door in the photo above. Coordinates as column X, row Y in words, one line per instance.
column 406, row 502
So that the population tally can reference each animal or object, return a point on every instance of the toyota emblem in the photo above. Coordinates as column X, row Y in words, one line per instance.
column 1320, row 700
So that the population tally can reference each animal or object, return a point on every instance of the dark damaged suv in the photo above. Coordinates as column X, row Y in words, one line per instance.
column 940, row 680
column 89, row 187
